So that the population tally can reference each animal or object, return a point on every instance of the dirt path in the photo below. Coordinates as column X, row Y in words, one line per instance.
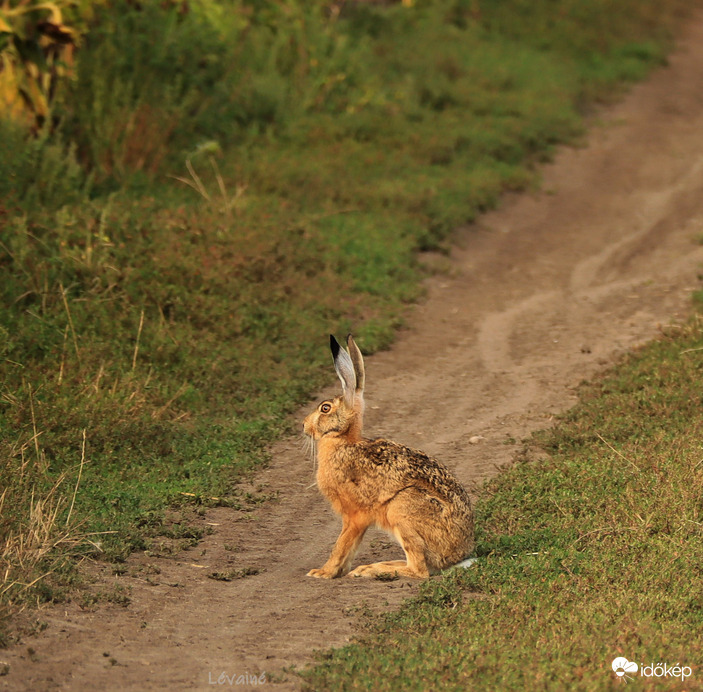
column 539, row 296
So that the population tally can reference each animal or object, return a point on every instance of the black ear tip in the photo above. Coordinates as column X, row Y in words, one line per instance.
column 350, row 337
column 334, row 346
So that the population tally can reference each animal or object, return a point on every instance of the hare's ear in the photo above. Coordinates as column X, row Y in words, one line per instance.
column 345, row 371
column 358, row 362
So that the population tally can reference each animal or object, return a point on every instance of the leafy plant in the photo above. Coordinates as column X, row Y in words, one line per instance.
column 36, row 50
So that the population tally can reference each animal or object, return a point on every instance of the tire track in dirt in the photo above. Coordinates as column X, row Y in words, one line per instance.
column 536, row 297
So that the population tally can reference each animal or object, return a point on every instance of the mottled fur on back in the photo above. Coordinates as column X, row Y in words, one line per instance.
column 378, row 469
column 397, row 464
column 378, row 482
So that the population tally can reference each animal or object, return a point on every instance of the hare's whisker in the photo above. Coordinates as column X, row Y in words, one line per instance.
column 308, row 444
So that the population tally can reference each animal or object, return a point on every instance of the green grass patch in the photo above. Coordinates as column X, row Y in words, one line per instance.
column 214, row 191
column 590, row 550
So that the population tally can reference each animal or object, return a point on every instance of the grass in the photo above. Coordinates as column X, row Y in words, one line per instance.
column 590, row 549
column 218, row 190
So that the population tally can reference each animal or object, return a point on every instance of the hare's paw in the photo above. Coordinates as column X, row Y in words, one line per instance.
column 392, row 567
column 361, row 571
column 397, row 568
column 321, row 573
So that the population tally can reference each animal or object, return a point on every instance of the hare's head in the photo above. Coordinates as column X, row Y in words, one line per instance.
column 343, row 415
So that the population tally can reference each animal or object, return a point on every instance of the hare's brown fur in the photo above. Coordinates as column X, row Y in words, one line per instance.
column 382, row 483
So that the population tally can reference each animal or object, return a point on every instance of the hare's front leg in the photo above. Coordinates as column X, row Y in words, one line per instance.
column 339, row 562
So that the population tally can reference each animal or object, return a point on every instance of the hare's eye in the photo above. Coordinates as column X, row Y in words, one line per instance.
column 325, row 408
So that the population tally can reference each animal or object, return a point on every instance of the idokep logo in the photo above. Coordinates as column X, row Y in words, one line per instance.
column 624, row 668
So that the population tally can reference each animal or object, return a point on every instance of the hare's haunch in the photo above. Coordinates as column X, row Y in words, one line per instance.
column 378, row 482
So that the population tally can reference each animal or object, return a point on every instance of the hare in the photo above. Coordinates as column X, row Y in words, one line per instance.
column 382, row 483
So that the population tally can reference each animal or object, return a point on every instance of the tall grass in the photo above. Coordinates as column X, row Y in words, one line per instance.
column 220, row 185
column 40, row 533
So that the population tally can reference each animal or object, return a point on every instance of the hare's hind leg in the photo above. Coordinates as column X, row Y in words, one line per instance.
column 413, row 566
column 398, row 522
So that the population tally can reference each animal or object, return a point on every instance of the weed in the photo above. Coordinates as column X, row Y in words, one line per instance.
column 117, row 595
column 119, row 569
column 232, row 574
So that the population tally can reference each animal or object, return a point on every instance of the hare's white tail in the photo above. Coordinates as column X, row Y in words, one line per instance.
column 465, row 564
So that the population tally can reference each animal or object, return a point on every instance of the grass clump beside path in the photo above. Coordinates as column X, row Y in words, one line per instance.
column 589, row 551
column 200, row 196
